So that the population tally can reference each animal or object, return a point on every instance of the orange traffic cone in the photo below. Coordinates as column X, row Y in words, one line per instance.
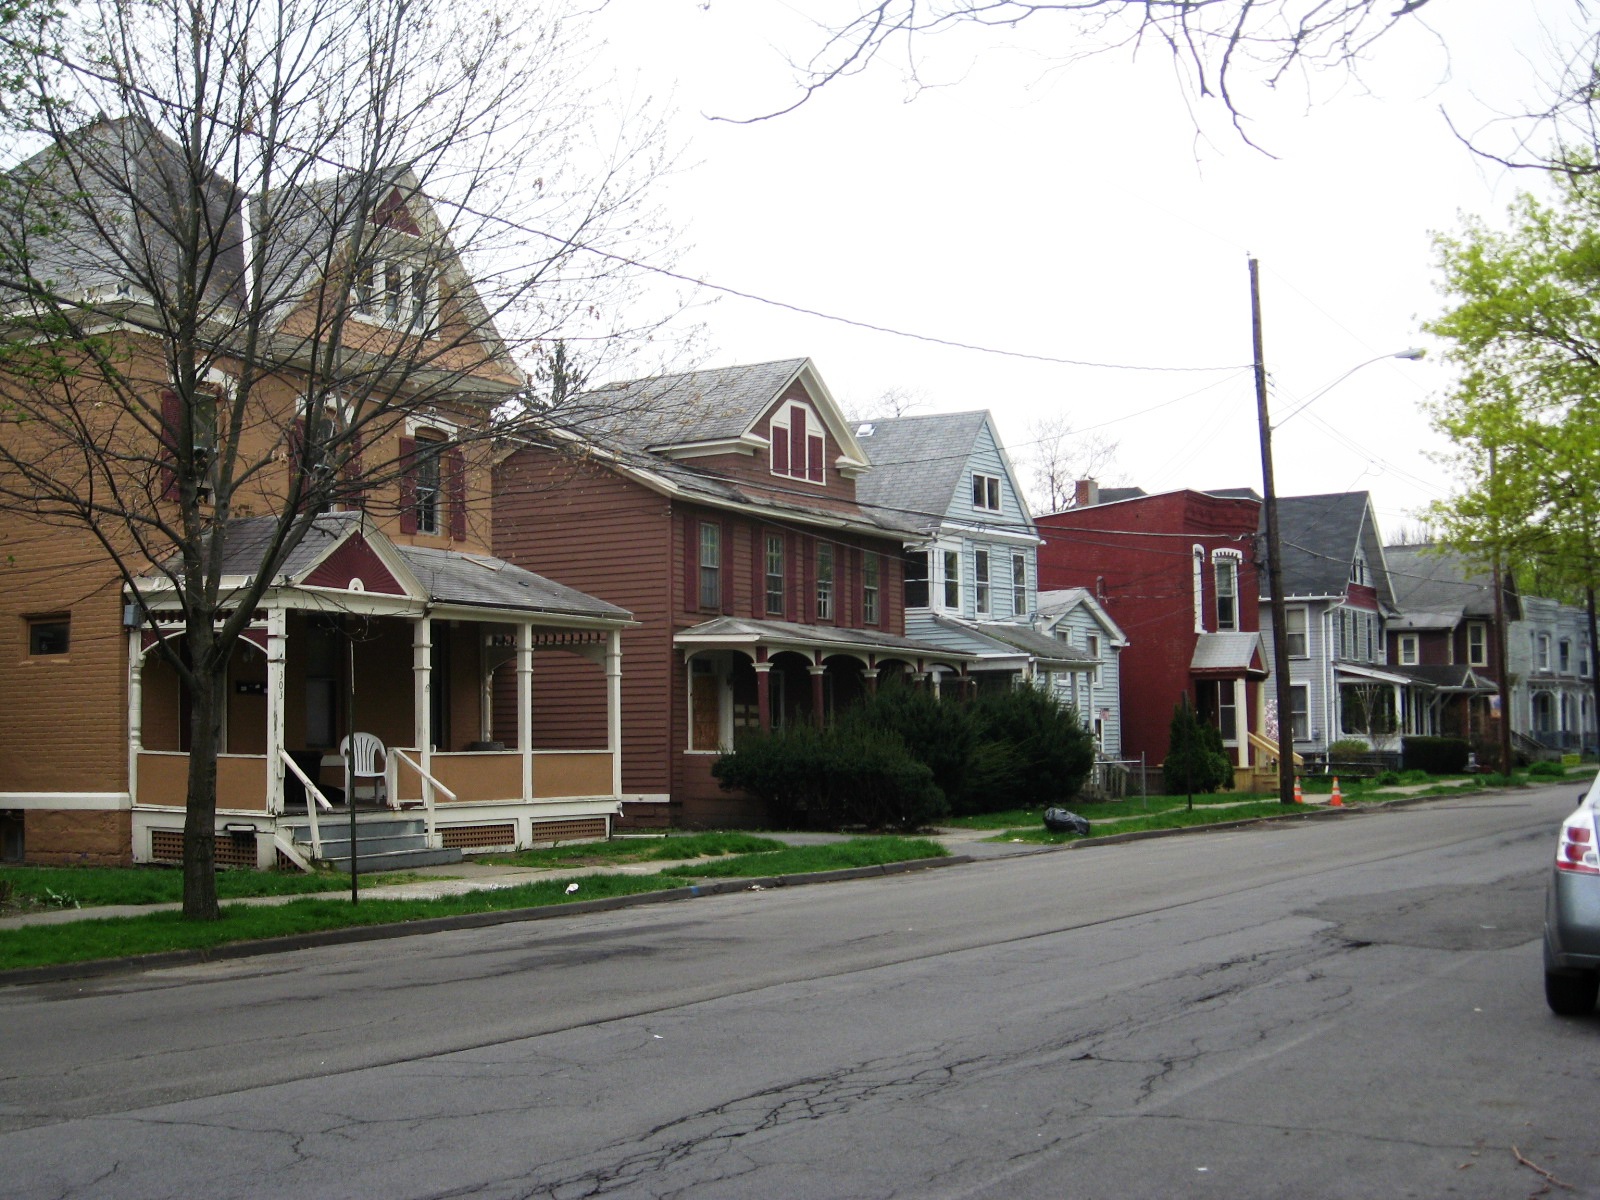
column 1338, row 800
column 1298, row 798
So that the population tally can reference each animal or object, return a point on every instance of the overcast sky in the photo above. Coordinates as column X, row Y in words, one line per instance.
column 1080, row 214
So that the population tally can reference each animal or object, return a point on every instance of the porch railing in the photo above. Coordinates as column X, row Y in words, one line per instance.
column 314, row 800
column 430, row 785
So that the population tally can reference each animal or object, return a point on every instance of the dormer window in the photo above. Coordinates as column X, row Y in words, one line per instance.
column 985, row 492
column 399, row 291
column 799, row 448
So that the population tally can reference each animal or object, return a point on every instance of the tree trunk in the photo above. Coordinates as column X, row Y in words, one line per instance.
column 200, row 807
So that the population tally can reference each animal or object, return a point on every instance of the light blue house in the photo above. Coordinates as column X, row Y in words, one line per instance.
column 971, row 577
column 1075, row 618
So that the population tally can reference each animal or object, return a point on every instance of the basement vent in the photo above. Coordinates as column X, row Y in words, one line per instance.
column 475, row 837
column 589, row 829
column 166, row 845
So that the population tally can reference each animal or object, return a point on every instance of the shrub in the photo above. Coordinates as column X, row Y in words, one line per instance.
column 1195, row 758
column 1547, row 770
column 1348, row 750
column 937, row 733
column 1435, row 755
column 1388, row 778
column 828, row 778
column 1033, row 749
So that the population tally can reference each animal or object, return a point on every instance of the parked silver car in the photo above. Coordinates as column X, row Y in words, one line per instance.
column 1572, row 913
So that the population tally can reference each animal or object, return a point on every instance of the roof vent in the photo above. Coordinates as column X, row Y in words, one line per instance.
column 865, row 429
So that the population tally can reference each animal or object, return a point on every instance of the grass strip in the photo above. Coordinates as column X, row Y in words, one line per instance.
column 799, row 860
column 153, row 933
column 92, row 887
column 635, row 849
column 1175, row 819
column 1105, row 810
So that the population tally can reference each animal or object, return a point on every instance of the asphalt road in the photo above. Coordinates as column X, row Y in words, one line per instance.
column 1334, row 1008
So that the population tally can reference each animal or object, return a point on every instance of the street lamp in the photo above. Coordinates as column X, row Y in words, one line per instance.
column 1411, row 355
column 1269, row 510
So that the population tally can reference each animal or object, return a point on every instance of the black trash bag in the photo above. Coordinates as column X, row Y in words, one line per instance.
column 1059, row 820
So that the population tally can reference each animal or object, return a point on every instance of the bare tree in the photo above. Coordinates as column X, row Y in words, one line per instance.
column 1054, row 458
column 244, row 243
column 1210, row 41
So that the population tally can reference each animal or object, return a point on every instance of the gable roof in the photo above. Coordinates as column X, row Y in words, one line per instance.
column 1320, row 536
column 1432, row 581
column 717, row 405
column 919, row 462
column 1056, row 605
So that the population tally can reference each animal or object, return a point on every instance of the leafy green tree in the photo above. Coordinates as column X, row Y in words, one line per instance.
column 1524, row 416
column 1195, row 759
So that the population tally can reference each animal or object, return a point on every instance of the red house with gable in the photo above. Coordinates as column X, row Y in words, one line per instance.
column 1177, row 571
column 719, row 507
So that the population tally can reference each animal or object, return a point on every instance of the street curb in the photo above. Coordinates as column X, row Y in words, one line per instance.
column 66, row 972
column 1144, row 835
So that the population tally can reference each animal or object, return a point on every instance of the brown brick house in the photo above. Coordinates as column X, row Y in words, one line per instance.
column 347, row 505
column 722, row 514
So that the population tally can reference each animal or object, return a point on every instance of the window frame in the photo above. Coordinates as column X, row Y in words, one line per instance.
column 1299, row 712
column 825, row 580
column 986, row 493
column 922, row 559
column 709, row 574
column 427, row 497
column 1408, row 652
column 950, row 578
column 775, row 581
column 1303, row 633
column 980, row 583
column 1019, row 585
column 1225, row 567
column 871, row 584
column 783, row 449
column 41, row 643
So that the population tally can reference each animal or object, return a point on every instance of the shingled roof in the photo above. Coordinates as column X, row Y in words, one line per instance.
column 917, row 464
column 1320, row 536
column 1433, row 585
column 696, row 406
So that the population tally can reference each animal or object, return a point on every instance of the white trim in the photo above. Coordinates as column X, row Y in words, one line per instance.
column 73, row 801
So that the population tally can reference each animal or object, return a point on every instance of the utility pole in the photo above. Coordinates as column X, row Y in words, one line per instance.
column 1269, row 512
column 1502, row 667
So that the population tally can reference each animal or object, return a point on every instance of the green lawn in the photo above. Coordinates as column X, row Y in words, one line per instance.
column 92, row 887
column 1133, row 806
column 118, row 937
column 636, row 849
column 1172, row 818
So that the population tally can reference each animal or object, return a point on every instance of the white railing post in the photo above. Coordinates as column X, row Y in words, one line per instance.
column 429, row 786
column 314, row 800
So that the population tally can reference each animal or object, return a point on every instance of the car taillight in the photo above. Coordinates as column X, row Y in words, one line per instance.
column 1577, row 851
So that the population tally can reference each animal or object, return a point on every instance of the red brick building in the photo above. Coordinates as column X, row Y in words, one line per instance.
column 1177, row 571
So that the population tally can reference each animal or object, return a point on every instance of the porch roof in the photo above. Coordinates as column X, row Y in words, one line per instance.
column 1454, row 678
column 741, row 632
column 1000, row 644
column 1229, row 655
column 346, row 551
column 1399, row 675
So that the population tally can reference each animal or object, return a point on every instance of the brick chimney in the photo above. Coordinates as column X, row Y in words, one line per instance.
column 1086, row 493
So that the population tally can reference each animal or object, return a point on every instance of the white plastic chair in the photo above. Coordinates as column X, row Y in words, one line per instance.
column 364, row 764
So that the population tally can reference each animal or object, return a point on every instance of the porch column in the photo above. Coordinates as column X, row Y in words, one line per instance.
column 422, row 691
column 817, row 715
column 1241, row 723
column 613, row 707
column 277, row 648
column 525, row 707
column 870, row 678
column 764, row 695
column 135, row 709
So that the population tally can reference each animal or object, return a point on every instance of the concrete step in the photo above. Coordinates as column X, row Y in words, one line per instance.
column 391, row 860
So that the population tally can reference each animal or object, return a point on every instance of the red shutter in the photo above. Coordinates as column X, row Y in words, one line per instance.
column 408, row 485
column 814, row 461
column 808, row 572
column 727, row 567
column 793, row 583
column 455, row 465
column 691, row 563
column 797, row 443
column 758, row 573
column 780, row 450
column 849, row 572
column 171, row 430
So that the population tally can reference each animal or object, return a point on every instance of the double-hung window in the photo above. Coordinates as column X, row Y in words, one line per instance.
column 916, row 579
column 1294, row 632
column 869, row 588
column 824, row 581
column 952, row 579
column 774, row 574
column 1227, row 575
column 710, row 565
column 980, row 580
column 426, row 482
column 985, row 492
column 1409, row 655
column 1019, row 585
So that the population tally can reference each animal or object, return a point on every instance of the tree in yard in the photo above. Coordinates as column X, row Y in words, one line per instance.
column 1195, row 759
column 246, row 246
column 1524, row 326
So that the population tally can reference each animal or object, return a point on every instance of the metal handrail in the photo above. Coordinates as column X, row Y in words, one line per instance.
column 315, row 799
column 429, row 786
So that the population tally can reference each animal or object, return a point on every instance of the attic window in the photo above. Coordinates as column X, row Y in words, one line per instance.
column 799, row 446
column 985, row 492
column 399, row 291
